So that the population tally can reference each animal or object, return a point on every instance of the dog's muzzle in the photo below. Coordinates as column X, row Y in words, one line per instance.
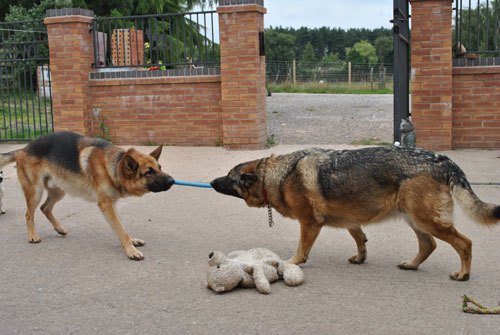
column 161, row 183
column 224, row 185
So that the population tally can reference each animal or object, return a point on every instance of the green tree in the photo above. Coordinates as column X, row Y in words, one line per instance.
column 385, row 49
column 105, row 8
column 279, row 46
column 308, row 55
column 332, row 59
column 362, row 52
column 305, row 68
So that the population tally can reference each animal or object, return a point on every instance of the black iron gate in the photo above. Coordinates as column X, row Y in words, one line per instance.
column 25, row 93
column 401, row 63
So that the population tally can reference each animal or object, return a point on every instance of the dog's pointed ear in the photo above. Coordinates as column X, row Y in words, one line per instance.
column 130, row 165
column 248, row 179
column 157, row 152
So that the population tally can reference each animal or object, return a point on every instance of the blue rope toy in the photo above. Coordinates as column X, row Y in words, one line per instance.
column 186, row 183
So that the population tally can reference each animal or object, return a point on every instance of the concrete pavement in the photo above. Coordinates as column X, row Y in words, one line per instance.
column 84, row 284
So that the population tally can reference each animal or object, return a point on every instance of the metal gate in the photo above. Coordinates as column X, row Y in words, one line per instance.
column 401, row 63
column 25, row 93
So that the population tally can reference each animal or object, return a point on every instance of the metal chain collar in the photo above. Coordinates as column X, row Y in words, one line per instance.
column 270, row 215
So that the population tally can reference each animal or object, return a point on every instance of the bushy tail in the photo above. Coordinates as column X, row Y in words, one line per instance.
column 8, row 157
column 474, row 207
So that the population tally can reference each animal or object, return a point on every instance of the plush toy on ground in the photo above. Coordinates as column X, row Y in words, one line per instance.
column 252, row 268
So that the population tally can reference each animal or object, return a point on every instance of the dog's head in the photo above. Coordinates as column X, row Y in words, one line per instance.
column 142, row 173
column 242, row 182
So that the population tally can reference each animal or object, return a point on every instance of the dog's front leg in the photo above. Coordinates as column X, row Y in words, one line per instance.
column 308, row 233
column 108, row 209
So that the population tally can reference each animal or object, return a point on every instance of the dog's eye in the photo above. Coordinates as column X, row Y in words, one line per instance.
column 150, row 171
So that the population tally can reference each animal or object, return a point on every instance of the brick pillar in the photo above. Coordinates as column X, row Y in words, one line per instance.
column 431, row 72
column 243, row 74
column 71, row 58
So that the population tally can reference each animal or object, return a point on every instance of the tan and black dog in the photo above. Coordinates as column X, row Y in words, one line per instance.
column 89, row 168
column 351, row 188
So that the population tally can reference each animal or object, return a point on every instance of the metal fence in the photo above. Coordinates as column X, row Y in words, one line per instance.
column 339, row 75
column 162, row 41
column 477, row 28
column 25, row 94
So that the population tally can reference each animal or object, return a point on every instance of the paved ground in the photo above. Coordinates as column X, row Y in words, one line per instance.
column 84, row 284
column 294, row 118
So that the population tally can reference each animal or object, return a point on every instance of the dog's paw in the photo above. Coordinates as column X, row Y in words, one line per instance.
column 135, row 255
column 137, row 242
column 459, row 276
column 297, row 260
column 61, row 230
column 2, row 211
column 34, row 239
column 406, row 266
column 357, row 259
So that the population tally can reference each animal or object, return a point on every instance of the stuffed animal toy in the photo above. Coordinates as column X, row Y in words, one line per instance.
column 252, row 268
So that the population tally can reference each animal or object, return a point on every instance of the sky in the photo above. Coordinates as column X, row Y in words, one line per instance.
column 330, row 13
column 344, row 14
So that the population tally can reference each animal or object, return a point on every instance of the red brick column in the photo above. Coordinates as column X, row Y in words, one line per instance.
column 71, row 57
column 431, row 72
column 243, row 75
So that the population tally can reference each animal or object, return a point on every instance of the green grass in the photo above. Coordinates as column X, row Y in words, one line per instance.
column 270, row 140
column 337, row 88
column 23, row 116
column 370, row 141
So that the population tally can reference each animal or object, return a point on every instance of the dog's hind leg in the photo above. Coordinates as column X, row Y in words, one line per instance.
column 54, row 195
column 33, row 193
column 430, row 205
column 426, row 245
column 361, row 240
column 308, row 234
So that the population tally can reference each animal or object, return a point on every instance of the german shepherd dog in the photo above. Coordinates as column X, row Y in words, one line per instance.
column 351, row 188
column 89, row 168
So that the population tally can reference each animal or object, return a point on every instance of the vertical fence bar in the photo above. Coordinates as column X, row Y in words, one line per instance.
column 487, row 44
column 496, row 17
column 3, row 74
column 184, row 35
column 213, row 43
column 178, row 58
column 198, row 37
column 96, row 43
column 136, row 28
column 469, row 31
column 191, row 39
column 32, row 91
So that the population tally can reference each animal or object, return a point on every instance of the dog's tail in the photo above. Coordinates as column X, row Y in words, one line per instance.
column 8, row 157
column 474, row 207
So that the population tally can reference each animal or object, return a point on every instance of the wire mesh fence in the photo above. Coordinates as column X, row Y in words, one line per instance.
column 338, row 75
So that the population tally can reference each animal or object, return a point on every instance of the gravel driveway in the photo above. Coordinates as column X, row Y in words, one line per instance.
column 299, row 118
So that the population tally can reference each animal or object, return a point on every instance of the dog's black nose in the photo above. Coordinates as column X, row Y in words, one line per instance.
column 170, row 180
column 211, row 255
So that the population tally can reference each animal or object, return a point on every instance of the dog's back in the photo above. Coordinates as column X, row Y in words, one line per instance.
column 368, row 175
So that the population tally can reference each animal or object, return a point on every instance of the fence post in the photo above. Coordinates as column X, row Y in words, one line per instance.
column 349, row 75
column 431, row 73
column 71, row 58
column 243, row 74
column 294, row 71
